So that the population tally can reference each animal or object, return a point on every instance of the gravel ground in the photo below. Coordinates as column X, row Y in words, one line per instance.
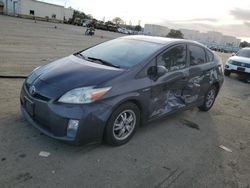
column 164, row 153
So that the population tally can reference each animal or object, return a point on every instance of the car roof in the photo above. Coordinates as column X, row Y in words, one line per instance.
column 158, row 40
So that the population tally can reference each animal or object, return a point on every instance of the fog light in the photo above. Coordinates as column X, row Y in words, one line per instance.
column 72, row 128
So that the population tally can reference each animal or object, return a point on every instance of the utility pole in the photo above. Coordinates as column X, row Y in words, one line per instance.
column 6, row 9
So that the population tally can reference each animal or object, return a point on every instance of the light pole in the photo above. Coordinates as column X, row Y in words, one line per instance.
column 6, row 5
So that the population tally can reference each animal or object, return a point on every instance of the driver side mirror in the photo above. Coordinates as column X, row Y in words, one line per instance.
column 233, row 54
column 156, row 71
column 152, row 71
column 161, row 70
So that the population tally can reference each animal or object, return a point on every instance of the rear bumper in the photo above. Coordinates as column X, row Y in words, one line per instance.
column 52, row 118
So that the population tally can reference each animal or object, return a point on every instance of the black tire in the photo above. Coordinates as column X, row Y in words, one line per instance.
column 110, row 134
column 208, row 105
column 227, row 72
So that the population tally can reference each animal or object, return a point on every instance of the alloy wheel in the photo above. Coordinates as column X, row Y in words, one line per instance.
column 210, row 98
column 124, row 124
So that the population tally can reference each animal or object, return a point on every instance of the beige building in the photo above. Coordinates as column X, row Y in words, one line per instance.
column 211, row 37
column 37, row 9
column 155, row 30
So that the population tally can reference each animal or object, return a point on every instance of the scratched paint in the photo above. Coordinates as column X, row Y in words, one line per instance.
column 174, row 99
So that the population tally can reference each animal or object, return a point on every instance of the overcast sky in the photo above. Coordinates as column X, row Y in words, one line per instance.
column 232, row 17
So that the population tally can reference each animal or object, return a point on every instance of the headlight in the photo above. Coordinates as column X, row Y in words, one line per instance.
column 83, row 95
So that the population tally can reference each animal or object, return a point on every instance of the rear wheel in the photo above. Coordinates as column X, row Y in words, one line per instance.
column 227, row 72
column 122, row 124
column 209, row 99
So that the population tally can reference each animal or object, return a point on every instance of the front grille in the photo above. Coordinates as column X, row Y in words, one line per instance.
column 41, row 97
column 237, row 63
column 36, row 95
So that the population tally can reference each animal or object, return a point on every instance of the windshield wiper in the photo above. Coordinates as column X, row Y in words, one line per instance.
column 103, row 62
column 79, row 54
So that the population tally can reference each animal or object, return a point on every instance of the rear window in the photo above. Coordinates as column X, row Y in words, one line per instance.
column 197, row 55
column 124, row 53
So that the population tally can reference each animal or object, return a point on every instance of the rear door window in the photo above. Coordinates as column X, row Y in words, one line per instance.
column 197, row 55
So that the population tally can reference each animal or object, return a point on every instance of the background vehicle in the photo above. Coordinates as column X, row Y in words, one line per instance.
column 108, row 90
column 90, row 31
column 123, row 30
column 238, row 63
column 86, row 23
column 108, row 26
column 90, row 27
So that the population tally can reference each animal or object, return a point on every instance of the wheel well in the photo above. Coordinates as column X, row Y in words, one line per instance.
column 136, row 102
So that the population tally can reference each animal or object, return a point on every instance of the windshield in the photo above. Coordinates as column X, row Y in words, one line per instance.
column 244, row 53
column 123, row 53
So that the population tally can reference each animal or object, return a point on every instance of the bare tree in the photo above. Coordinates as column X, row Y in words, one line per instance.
column 118, row 21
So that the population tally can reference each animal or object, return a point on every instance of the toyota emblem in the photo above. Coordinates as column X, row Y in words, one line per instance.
column 32, row 90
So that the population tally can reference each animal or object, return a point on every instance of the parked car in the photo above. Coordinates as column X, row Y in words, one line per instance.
column 108, row 90
column 238, row 63
column 123, row 30
column 86, row 23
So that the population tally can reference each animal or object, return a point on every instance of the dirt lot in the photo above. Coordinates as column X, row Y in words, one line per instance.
column 165, row 153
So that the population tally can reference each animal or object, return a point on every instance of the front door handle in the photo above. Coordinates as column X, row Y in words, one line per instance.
column 146, row 89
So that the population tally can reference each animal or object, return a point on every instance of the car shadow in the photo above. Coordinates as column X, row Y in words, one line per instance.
column 243, row 77
column 164, row 152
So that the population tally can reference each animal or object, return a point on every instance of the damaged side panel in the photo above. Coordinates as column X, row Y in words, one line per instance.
column 173, row 94
column 171, row 101
column 189, row 75
column 167, row 93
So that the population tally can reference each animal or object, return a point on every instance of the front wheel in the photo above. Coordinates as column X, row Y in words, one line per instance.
column 209, row 99
column 122, row 124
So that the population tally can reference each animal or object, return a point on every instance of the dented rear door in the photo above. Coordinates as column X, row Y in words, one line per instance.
column 199, row 75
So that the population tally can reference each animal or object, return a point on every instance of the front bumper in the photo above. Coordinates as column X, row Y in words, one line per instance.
column 52, row 118
column 236, row 69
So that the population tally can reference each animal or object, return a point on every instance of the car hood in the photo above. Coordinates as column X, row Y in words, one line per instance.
column 240, row 59
column 56, row 78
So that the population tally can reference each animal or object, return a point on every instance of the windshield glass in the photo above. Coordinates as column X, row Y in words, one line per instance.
column 123, row 53
column 244, row 53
